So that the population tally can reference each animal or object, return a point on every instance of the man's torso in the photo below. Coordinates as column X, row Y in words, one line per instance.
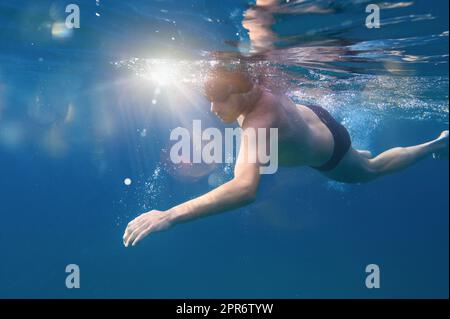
column 303, row 139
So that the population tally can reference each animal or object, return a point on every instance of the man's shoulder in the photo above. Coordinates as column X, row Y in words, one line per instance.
column 261, row 118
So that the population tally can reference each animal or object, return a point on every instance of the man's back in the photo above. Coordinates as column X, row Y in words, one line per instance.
column 303, row 139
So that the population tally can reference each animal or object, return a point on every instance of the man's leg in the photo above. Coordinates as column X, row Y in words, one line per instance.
column 399, row 158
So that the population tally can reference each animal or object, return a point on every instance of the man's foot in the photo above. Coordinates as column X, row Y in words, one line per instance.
column 442, row 141
column 366, row 154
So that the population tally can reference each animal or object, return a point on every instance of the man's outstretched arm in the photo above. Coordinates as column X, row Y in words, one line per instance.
column 239, row 191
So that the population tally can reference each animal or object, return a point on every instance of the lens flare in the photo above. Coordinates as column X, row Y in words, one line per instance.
column 163, row 73
column 60, row 31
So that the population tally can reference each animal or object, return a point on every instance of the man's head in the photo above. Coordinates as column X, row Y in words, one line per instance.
column 226, row 90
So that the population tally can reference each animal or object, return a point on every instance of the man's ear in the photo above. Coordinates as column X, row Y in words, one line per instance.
column 248, row 95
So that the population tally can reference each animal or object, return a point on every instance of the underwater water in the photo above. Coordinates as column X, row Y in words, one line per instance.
column 85, row 120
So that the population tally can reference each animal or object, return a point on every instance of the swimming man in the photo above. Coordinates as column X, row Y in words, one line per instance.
column 307, row 136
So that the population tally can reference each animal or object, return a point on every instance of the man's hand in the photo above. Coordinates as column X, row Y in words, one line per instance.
column 145, row 224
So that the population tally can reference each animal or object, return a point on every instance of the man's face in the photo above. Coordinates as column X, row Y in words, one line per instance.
column 227, row 111
column 225, row 90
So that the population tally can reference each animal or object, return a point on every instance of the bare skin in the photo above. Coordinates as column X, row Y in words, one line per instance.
column 303, row 140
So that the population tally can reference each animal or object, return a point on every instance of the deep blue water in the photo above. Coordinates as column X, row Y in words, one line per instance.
column 77, row 117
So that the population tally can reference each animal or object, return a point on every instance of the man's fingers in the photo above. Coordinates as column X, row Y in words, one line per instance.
column 141, row 235
column 137, row 229
column 132, row 226
column 135, row 233
column 138, row 219
column 127, row 234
